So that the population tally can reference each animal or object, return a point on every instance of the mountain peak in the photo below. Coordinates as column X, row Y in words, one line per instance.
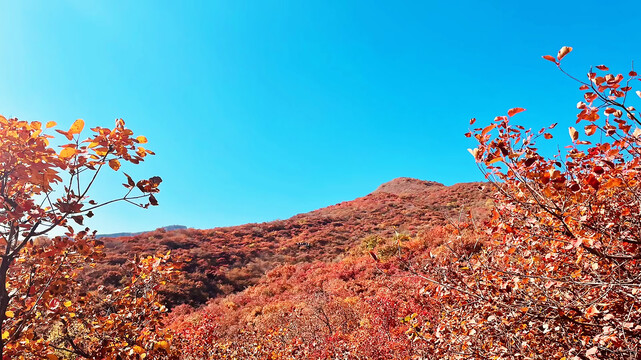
column 406, row 186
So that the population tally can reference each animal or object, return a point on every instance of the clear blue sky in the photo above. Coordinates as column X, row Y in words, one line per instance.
column 259, row 110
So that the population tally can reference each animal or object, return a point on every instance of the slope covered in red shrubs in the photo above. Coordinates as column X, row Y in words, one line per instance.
column 226, row 260
column 361, row 304
column 342, row 281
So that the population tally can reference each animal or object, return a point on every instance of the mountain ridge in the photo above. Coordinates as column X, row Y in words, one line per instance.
column 121, row 234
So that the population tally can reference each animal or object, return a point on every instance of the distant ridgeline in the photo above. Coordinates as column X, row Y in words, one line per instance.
column 167, row 228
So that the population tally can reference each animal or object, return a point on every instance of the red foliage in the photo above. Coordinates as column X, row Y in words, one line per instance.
column 226, row 260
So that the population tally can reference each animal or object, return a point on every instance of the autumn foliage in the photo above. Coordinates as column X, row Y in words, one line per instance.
column 43, row 311
column 542, row 262
column 553, row 273
column 560, row 276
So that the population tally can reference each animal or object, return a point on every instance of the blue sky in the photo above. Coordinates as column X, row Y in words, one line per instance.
column 260, row 110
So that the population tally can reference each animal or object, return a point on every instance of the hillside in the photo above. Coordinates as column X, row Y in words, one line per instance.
column 351, row 290
column 226, row 260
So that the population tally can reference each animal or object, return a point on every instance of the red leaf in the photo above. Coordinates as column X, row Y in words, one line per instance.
column 590, row 129
column 155, row 180
column 472, row 121
column 130, row 181
column 593, row 182
column 514, row 111
column 602, row 67
column 550, row 58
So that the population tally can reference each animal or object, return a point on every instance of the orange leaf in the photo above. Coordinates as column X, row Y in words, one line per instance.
column 51, row 124
column 590, row 129
column 141, row 139
column 487, row 129
column 514, row 111
column 550, row 57
column 67, row 153
column 77, row 127
column 564, row 51
column 114, row 164
column 495, row 160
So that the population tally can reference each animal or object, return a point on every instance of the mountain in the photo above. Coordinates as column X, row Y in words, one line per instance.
column 226, row 260
column 121, row 234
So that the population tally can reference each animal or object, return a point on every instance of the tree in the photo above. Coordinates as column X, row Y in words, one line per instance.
column 559, row 274
column 43, row 313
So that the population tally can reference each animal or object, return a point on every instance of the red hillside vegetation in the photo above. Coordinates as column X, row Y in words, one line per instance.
column 351, row 287
column 225, row 260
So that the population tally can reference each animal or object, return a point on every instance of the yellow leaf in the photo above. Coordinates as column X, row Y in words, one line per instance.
column 9, row 314
column 5, row 335
column 138, row 349
column 163, row 345
column 51, row 124
column 67, row 303
column 141, row 139
column 564, row 51
column 114, row 164
column 77, row 127
column 67, row 153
